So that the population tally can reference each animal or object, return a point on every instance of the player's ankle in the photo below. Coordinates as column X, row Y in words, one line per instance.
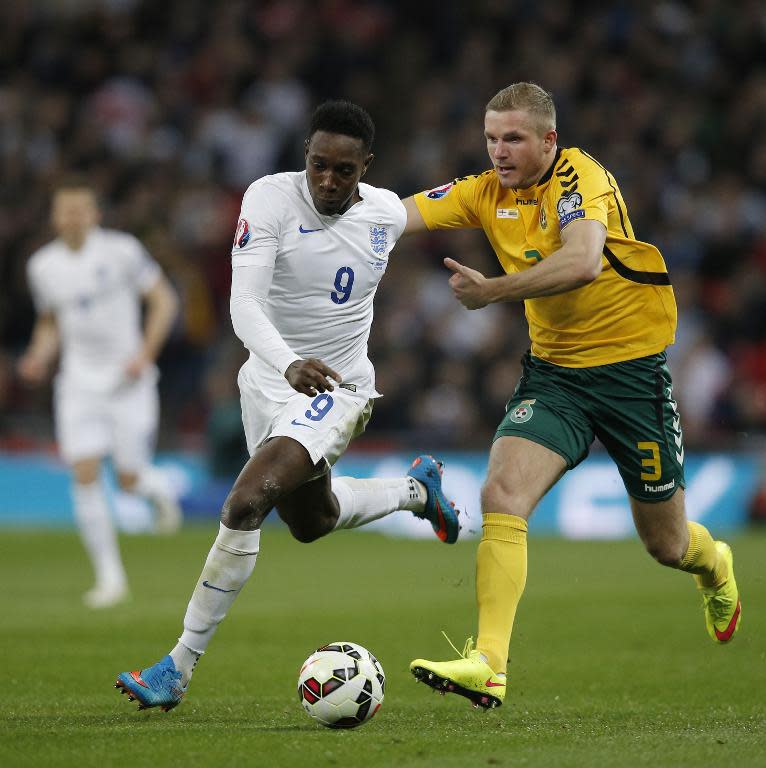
column 185, row 660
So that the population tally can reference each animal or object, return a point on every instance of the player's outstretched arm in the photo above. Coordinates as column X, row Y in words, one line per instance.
column 415, row 221
column 575, row 264
column 35, row 364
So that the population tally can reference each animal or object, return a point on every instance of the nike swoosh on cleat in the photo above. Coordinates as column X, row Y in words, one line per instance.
column 306, row 231
column 490, row 684
column 136, row 675
column 729, row 631
column 207, row 584
column 442, row 532
column 301, row 424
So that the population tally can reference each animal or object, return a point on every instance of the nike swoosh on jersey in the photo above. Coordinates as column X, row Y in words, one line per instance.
column 301, row 424
column 306, row 231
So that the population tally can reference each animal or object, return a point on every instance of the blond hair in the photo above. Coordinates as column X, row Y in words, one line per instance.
column 530, row 98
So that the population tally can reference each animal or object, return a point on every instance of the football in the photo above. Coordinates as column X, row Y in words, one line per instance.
column 341, row 685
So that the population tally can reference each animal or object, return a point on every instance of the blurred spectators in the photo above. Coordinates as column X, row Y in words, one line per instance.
column 173, row 108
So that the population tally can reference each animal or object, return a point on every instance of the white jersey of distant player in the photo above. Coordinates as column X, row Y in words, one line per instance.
column 326, row 272
column 95, row 295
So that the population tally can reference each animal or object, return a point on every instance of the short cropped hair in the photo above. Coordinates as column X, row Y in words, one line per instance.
column 530, row 98
column 346, row 118
column 73, row 182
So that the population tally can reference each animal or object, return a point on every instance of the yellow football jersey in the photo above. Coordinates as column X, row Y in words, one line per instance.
column 627, row 312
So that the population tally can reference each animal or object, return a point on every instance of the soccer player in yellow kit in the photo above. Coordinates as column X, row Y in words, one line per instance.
column 601, row 311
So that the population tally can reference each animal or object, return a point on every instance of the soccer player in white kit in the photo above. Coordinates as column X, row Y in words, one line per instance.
column 308, row 254
column 88, row 285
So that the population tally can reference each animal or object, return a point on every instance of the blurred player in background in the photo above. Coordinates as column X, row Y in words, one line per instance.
column 601, row 312
column 88, row 286
column 308, row 254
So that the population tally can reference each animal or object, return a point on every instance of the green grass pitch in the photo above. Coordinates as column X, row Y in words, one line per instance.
column 610, row 662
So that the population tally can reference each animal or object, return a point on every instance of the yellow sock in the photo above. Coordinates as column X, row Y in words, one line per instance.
column 501, row 573
column 702, row 558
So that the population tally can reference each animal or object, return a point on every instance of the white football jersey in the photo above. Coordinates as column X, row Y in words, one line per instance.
column 95, row 295
column 326, row 272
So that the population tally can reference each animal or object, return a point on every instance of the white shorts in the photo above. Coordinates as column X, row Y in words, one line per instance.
column 121, row 424
column 324, row 425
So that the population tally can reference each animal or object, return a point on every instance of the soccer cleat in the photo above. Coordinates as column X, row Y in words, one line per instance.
column 468, row 676
column 156, row 686
column 106, row 596
column 723, row 611
column 438, row 509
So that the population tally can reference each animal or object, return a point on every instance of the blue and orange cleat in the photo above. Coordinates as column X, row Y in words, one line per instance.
column 438, row 509
column 156, row 686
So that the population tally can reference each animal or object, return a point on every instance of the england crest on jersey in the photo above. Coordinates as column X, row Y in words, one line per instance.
column 379, row 238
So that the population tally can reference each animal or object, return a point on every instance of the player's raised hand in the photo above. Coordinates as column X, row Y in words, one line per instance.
column 468, row 285
column 311, row 376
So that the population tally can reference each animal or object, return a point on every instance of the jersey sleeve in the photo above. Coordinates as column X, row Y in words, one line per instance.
column 257, row 235
column 450, row 206
column 582, row 191
column 141, row 269
column 37, row 287
column 399, row 215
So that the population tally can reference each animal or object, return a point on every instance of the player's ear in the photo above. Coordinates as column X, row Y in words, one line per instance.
column 366, row 163
column 549, row 140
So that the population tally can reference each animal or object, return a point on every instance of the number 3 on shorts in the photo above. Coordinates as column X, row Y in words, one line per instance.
column 319, row 407
column 653, row 463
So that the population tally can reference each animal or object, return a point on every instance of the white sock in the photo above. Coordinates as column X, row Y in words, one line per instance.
column 97, row 532
column 185, row 660
column 362, row 501
column 228, row 566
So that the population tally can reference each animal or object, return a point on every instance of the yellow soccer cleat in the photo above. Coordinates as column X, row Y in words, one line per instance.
column 723, row 611
column 468, row 676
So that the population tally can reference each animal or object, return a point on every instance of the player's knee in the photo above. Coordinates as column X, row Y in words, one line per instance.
column 308, row 530
column 666, row 552
column 244, row 511
column 127, row 482
column 497, row 496
column 306, row 534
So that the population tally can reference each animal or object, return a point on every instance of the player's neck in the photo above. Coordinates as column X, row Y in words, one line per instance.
column 546, row 167
column 74, row 241
column 352, row 201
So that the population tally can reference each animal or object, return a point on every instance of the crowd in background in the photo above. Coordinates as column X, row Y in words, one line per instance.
column 171, row 109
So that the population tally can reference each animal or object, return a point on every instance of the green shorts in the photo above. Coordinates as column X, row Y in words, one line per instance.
column 628, row 406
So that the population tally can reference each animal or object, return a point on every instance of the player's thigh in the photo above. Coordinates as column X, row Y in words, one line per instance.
column 545, row 431
column 275, row 470
column 81, row 425
column 135, row 411
column 637, row 420
column 520, row 473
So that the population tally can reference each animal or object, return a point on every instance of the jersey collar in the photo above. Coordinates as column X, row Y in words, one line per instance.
column 549, row 173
